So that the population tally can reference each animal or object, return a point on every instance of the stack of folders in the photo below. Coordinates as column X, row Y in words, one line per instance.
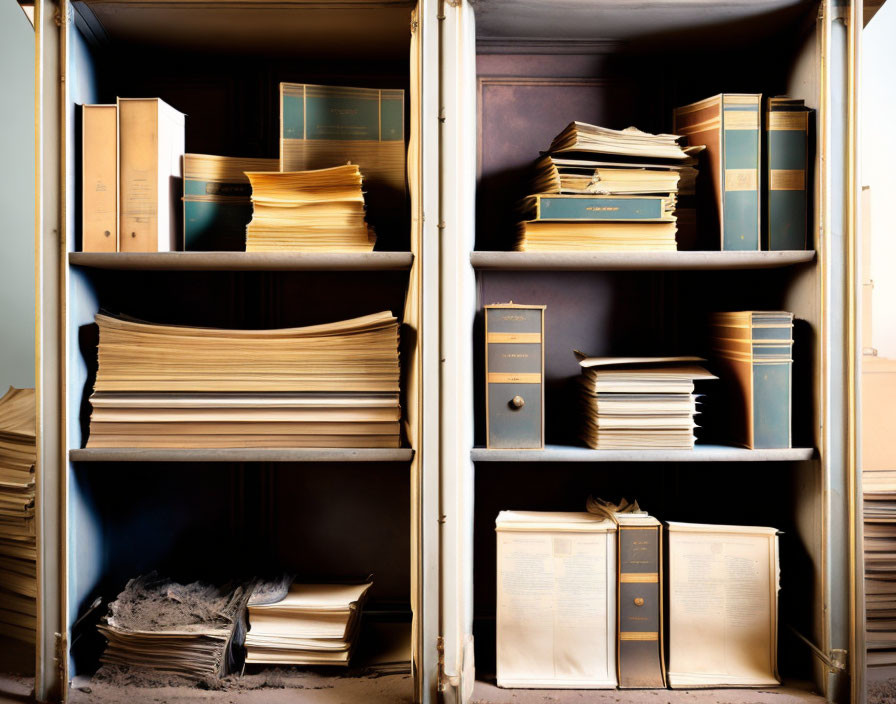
column 18, row 584
column 639, row 402
column 131, row 171
column 754, row 349
column 879, row 489
column 331, row 385
column 217, row 202
column 308, row 211
column 313, row 624
column 186, row 630
column 606, row 190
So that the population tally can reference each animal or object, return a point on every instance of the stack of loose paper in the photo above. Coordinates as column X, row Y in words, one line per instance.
column 308, row 211
column 176, row 629
column 18, row 585
column 314, row 624
column 879, row 489
column 332, row 385
column 639, row 402
column 607, row 190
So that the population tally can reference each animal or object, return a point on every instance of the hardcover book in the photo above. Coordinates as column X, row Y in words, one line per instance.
column 150, row 154
column 728, row 202
column 639, row 614
column 99, row 178
column 754, row 349
column 514, row 372
column 599, row 208
column 217, row 200
column 787, row 149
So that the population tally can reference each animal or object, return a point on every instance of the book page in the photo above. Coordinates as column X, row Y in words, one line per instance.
column 553, row 615
column 722, row 609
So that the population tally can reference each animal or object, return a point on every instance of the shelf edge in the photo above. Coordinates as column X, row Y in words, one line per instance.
column 243, row 261
column 241, row 455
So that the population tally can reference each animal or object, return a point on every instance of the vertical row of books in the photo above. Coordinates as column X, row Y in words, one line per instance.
column 340, row 175
column 736, row 186
column 879, row 513
column 18, row 551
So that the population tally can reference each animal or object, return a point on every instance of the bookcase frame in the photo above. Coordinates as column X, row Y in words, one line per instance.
column 825, row 289
column 65, row 301
column 443, row 299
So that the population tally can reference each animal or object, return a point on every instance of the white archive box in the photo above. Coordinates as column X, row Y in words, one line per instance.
column 556, row 601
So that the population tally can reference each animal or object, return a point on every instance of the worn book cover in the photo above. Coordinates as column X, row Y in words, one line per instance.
column 787, row 169
column 728, row 204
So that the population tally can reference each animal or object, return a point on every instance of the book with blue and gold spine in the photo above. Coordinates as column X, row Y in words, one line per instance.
column 787, row 150
column 599, row 208
column 728, row 202
column 324, row 126
column 217, row 200
column 755, row 352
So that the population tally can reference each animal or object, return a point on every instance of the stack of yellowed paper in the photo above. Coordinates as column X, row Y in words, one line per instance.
column 639, row 402
column 308, row 211
column 313, row 624
column 18, row 584
column 331, row 385
column 185, row 630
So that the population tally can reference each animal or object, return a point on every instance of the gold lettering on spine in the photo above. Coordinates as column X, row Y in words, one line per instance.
column 503, row 378
column 787, row 180
column 741, row 179
column 517, row 337
column 788, row 121
column 638, row 635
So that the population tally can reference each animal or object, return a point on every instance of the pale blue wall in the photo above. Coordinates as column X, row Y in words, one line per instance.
column 16, row 197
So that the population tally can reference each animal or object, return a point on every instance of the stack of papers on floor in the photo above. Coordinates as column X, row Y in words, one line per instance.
column 879, row 489
column 308, row 211
column 607, row 190
column 332, row 385
column 176, row 629
column 314, row 624
column 18, row 552
column 639, row 402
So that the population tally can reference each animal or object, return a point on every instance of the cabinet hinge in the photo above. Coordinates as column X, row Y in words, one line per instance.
column 839, row 659
column 440, row 649
column 414, row 25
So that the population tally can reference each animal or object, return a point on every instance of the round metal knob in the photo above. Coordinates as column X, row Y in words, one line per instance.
column 517, row 402
column 639, row 601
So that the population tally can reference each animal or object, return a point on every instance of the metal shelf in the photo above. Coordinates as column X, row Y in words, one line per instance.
column 244, row 261
column 700, row 453
column 128, row 454
column 636, row 261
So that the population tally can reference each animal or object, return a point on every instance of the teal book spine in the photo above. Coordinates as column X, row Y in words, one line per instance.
column 216, row 215
column 771, row 405
column 342, row 114
column 787, row 147
column 601, row 209
column 740, row 172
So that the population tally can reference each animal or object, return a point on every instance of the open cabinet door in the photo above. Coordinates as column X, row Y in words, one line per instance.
column 458, row 311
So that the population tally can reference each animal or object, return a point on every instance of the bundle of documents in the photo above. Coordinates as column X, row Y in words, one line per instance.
column 556, row 600
column 308, row 211
column 639, row 402
column 331, row 385
column 754, row 349
column 606, row 190
column 18, row 584
column 313, row 624
column 722, row 606
column 879, row 489
column 217, row 203
column 177, row 629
